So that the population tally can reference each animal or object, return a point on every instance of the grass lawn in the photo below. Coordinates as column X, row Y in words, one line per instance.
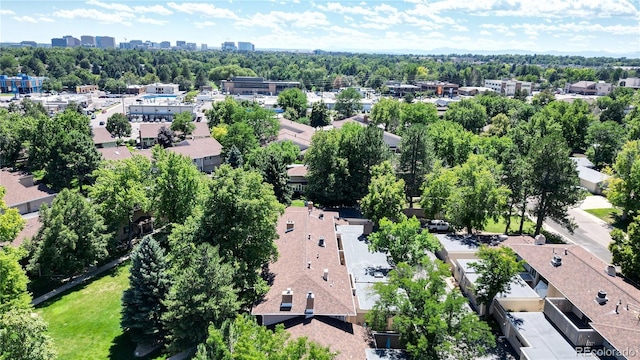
column 610, row 216
column 85, row 323
column 498, row 227
column 297, row 203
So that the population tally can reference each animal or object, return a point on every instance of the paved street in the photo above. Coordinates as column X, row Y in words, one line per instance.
column 592, row 233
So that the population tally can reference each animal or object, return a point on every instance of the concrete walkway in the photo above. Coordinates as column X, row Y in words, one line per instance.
column 79, row 280
column 595, row 202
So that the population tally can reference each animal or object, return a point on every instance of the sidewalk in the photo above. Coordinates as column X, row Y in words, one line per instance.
column 79, row 280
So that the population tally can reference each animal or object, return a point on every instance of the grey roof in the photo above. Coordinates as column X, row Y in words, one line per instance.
column 545, row 342
column 582, row 161
column 519, row 288
column 366, row 267
column 458, row 243
column 590, row 175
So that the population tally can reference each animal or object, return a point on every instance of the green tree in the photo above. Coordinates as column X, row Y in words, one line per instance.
column 274, row 173
column 515, row 177
column 201, row 294
column 142, row 302
column 625, row 182
column 404, row 240
column 386, row 112
column 183, row 123
column 554, row 181
column 72, row 237
column 166, row 137
column 23, row 336
column 222, row 112
column 451, row 142
column 418, row 113
column 295, row 99
column 234, row 157
column 262, row 121
column 73, row 157
column 239, row 217
column 240, row 135
column 178, row 186
column 386, row 194
column 438, row 187
column 433, row 323
column 625, row 250
column 604, row 140
column 13, row 281
column 496, row 268
column 11, row 223
column 468, row 113
column 416, row 159
column 348, row 102
column 118, row 125
column 244, row 338
column 319, row 114
column 121, row 188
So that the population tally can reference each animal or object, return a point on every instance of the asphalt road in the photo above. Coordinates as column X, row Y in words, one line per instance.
column 592, row 233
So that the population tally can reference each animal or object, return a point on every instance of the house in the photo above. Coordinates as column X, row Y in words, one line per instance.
column 205, row 152
column 590, row 179
column 633, row 83
column 520, row 312
column 299, row 134
column 23, row 193
column 297, row 178
column 320, row 281
column 392, row 140
column 31, row 227
column 148, row 133
column 103, row 138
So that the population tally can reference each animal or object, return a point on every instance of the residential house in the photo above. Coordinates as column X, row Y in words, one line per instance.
column 590, row 179
column 633, row 83
column 205, row 152
column 103, row 138
column 148, row 133
column 22, row 192
column 299, row 134
column 392, row 140
column 297, row 178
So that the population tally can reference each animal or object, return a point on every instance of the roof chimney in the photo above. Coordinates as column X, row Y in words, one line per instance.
column 287, row 300
column 308, row 310
column 540, row 239
column 611, row 270
column 310, row 205
column 290, row 225
column 601, row 298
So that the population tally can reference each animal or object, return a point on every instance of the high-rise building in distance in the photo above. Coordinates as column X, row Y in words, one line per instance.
column 88, row 41
column 181, row 44
column 245, row 46
column 165, row 45
column 58, row 42
column 105, row 42
column 229, row 46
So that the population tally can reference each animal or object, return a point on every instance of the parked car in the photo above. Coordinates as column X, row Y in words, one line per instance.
column 438, row 225
column 101, row 123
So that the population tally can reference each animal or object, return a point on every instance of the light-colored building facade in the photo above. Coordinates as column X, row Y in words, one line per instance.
column 245, row 46
column 23, row 193
column 105, row 42
column 83, row 89
column 88, row 41
column 160, row 110
column 599, row 88
column 228, row 46
column 249, row 85
column 633, row 83
column 159, row 88
column 509, row 87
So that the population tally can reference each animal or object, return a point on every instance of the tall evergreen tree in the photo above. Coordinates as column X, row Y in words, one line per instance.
column 142, row 302
column 416, row 159
column 234, row 157
column 320, row 114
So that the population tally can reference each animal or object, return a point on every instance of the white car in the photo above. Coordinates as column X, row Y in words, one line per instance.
column 438, row 225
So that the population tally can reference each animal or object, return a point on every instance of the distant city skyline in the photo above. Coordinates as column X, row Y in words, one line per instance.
column 477, row 26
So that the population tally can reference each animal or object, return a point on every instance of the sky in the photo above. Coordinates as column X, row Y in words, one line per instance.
column 405, row 26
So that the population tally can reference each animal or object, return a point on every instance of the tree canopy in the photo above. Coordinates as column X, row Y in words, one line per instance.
column 293, row 99
column 348, row 102
column 11, row 223
column 404, row 240
column 496, row 269
column 385, row 198
column 118, row 125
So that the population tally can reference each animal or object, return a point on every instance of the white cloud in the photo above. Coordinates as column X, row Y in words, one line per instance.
column 110, row 6
column 281, row 19
column 6, row 12
column 146, row 20
column 204, row 24
column 25, row 19
column 96, row 15
column 154, row 9
column 45, row 19
column 205, row 9
column 581, row 27
column 341, row 9
column 485, row 33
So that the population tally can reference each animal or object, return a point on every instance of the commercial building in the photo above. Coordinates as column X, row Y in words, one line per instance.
column 599, row 88
column 165, row 45
column 21, row 84
column 55, row 103
column 28, row 44
column 398, row 89
column 158, row 88
column 509, row 87
column 105, row 42
column 82, row 89
column 229, row 46
column 181, row 44
column 249, row 85
column 136, row 89
column 439, row 88
column 245, row 46
column 71, row 41
column 88, row 41
column 58, row 42
column 633, row 83
column 204, row 47
column 160, row 110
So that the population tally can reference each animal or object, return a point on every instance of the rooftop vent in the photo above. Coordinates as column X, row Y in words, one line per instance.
column 601, row 298
column 290, row 225
column 556, row 261
column 540, row 239
column 321, row 241
column 310, row 205
column 321, row 216
column 308, row 310
column 325, row 276
column 611, row 270
column 287, row 300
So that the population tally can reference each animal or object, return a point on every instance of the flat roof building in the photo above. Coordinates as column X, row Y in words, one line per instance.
column 159, row 88
column 249, row 85
column 21, row 84
column 245, row 46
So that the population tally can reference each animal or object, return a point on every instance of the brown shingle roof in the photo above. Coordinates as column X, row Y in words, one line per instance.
column 31, row 228
column 201, row 130
column 122, row 152
column 198, row 148
column 332, row 297
column 579, row 279
column 150, row 130
column 18, row 192
column 348, row 339
column 102, row 136
column 297, row 170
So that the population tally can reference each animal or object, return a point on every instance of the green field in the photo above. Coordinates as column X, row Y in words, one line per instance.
column 85, row 322
column 498, row 227
column 297, row 203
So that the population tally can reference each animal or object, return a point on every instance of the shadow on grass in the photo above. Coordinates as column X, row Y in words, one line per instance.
column 620, row 223
column 123, row 348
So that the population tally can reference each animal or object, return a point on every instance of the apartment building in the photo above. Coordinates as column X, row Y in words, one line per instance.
column 509, row 87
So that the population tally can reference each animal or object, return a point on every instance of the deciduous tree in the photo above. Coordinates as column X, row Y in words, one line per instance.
column 386, row 194
column 11, row 223
column 183, row 123
column 604, row 140
column 165, row 137
column 13, row 281
column 625, row 182
column 319, row 114
column 468, row 113
column 23, row 336
column 404, row 240
column 625, row 250
column 348, row 102
column 295, row 99
column 416, row 159
column 118, row 125
column 386, row 112
column 496, row 270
